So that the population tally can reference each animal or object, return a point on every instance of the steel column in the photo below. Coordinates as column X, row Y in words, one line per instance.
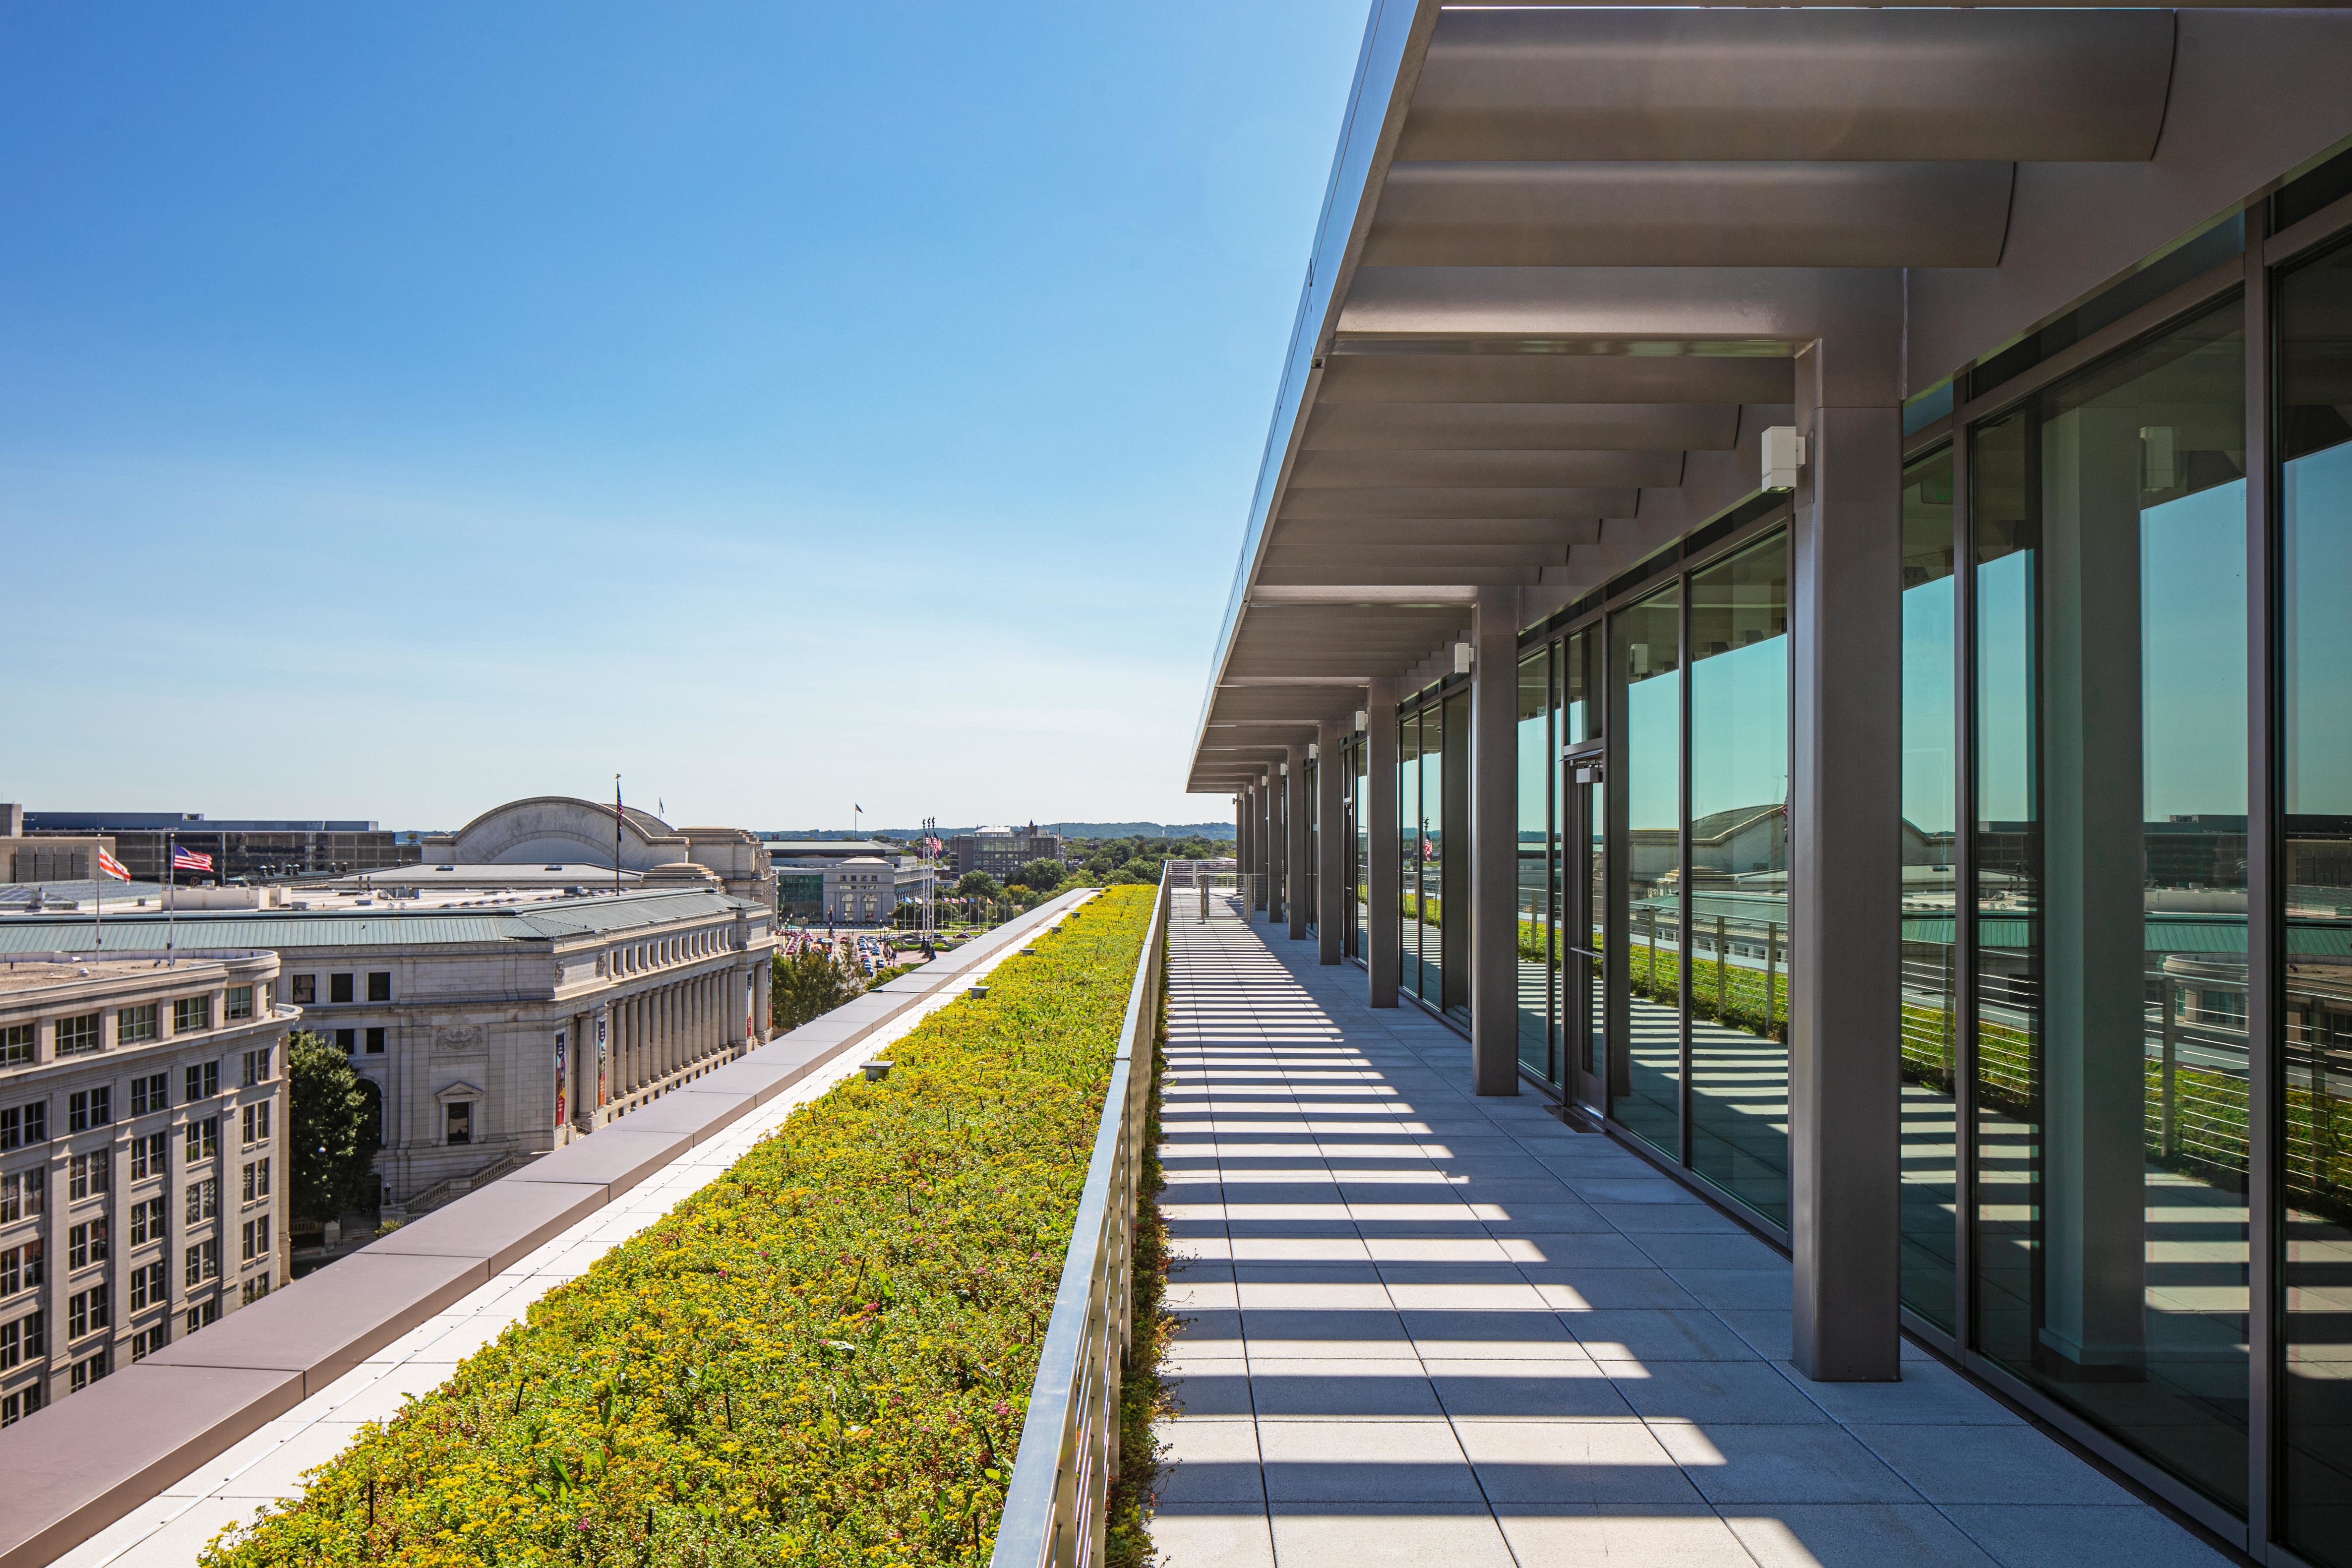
column 1277, row 843
column 1845, row 870
column 2265, row 881
column 1494, row 844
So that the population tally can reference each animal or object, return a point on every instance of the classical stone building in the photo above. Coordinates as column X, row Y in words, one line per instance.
column 563, row 830
column 494, row 1029
column 142, row 1178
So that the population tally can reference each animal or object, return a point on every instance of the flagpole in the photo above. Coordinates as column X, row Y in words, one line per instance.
column 171, row 900
column 616, row 835
column 98, row 897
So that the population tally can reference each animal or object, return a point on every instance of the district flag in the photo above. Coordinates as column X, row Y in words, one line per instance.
column 111, row 867
column 186, row 859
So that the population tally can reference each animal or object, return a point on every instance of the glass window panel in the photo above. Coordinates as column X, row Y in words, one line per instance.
column 1409, row 841
column 1536, row 771
column 1452, row 865
column 1928, row 916
column 1647, row 656
column 2314, row 304
column 1359, row 938
column 2111, row 897
column 1738, row 892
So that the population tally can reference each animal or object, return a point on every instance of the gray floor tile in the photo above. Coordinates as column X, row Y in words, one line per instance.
column 1324, row 1535
column 2013, row 1464
column 1471, row 1390
column 1930, row 1394
column 1708, row 1249
column 1194, row 1535
column 1646, row 1334
column 1737, row 1289
column 1648, row 1218
column 1209, row 1461
column 1715, row 1393
column 1852, row 1535
column 1356, row 1390
column 1730, row 1463
column 2021, row 1536
column 1591, row 1461
column 1365, row 1462
column 1620, row 1535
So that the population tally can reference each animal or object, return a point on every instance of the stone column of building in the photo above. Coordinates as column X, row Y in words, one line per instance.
column 1494, row 843
column 1334, row 897
column 1845, row 826
column 1294, row 842
column 1277, row 846
column 1383, row 908
column 1241, row 831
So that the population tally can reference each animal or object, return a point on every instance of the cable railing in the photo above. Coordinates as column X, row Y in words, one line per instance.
column 1056, row 1507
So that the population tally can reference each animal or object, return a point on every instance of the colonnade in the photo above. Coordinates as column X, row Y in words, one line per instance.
column 661, row 1031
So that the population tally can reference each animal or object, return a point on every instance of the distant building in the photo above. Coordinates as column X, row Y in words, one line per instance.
column 496, row 1024
column 1000, row 851
column 847, row 881
column 254, row 850
column 142, row 1170
column 569, row 834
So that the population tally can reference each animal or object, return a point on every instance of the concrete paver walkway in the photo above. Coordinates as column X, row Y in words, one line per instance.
column 1426, row 1328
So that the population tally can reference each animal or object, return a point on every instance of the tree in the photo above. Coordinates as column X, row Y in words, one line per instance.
column 976, row 885
column 809, row 984
column 1041, row 874
column 338, row 1126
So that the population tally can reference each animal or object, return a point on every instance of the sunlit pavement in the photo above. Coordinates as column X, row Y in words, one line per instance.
column 1426, row 1328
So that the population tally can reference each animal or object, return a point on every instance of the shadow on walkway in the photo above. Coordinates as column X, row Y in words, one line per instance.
column 1431, row 1328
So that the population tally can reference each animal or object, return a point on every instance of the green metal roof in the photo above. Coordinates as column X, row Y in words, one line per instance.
column 280, row 929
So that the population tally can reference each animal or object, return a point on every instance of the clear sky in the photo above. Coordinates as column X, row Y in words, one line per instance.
column 407, row 408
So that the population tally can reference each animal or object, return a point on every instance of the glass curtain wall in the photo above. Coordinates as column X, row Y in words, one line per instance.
column 1736, row 895
column 2111, row 1058
column 1413, row 847
column 1308, row 884
column 2314, row 1054
column 1645, row 661
column 1360, row 837
column 1538, row 866
column 1930, row 768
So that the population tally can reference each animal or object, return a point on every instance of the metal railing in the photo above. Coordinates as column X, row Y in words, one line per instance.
column 1055, row 1506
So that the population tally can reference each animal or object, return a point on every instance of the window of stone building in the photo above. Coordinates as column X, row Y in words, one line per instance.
column 147, row 1156
column 240, row 1002
column 203, row 1200
column 459, row 1121
column 134, row 1026
column 256, row 1067
column 380, row 986
column 306, row 990
column 87, row 1174
column 147, row 1222
column 203, row 1140
column 88, row 1107
column 347, row 1040
column 24, row 1124
column 375, row 1042
column 203, row 1080
column 75, row 1037
column 189, row 1014
column 149, row 1092
column 256, row 1124
column 86, row 1243
column 338, row 989
column 16, row 1046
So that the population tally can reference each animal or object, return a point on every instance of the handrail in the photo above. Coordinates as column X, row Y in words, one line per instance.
column 1055, row 1506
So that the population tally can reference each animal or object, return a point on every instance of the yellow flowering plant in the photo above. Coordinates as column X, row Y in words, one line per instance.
column 823, row 1357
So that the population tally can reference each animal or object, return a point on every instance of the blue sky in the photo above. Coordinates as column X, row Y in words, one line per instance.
column 409, row 408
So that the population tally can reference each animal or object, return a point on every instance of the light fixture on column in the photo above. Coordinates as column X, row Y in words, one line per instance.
column 1462, row 657
column 1784, row 454
column 1313, row 751
column 1363, row 720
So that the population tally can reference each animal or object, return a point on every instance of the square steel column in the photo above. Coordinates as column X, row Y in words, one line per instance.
column 1278, row 840
column 1845, row 869
column 1335, row 897
column 1261, row 842
column 1383, row 910
column 1495, row 844
column 1294, row 841
column 1245, row 851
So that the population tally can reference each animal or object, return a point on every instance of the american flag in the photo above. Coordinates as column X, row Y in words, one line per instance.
column 186, row 859
column 111, row 867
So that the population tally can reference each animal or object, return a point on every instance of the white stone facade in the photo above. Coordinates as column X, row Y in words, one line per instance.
column 563, row 829
column 142, row 1172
